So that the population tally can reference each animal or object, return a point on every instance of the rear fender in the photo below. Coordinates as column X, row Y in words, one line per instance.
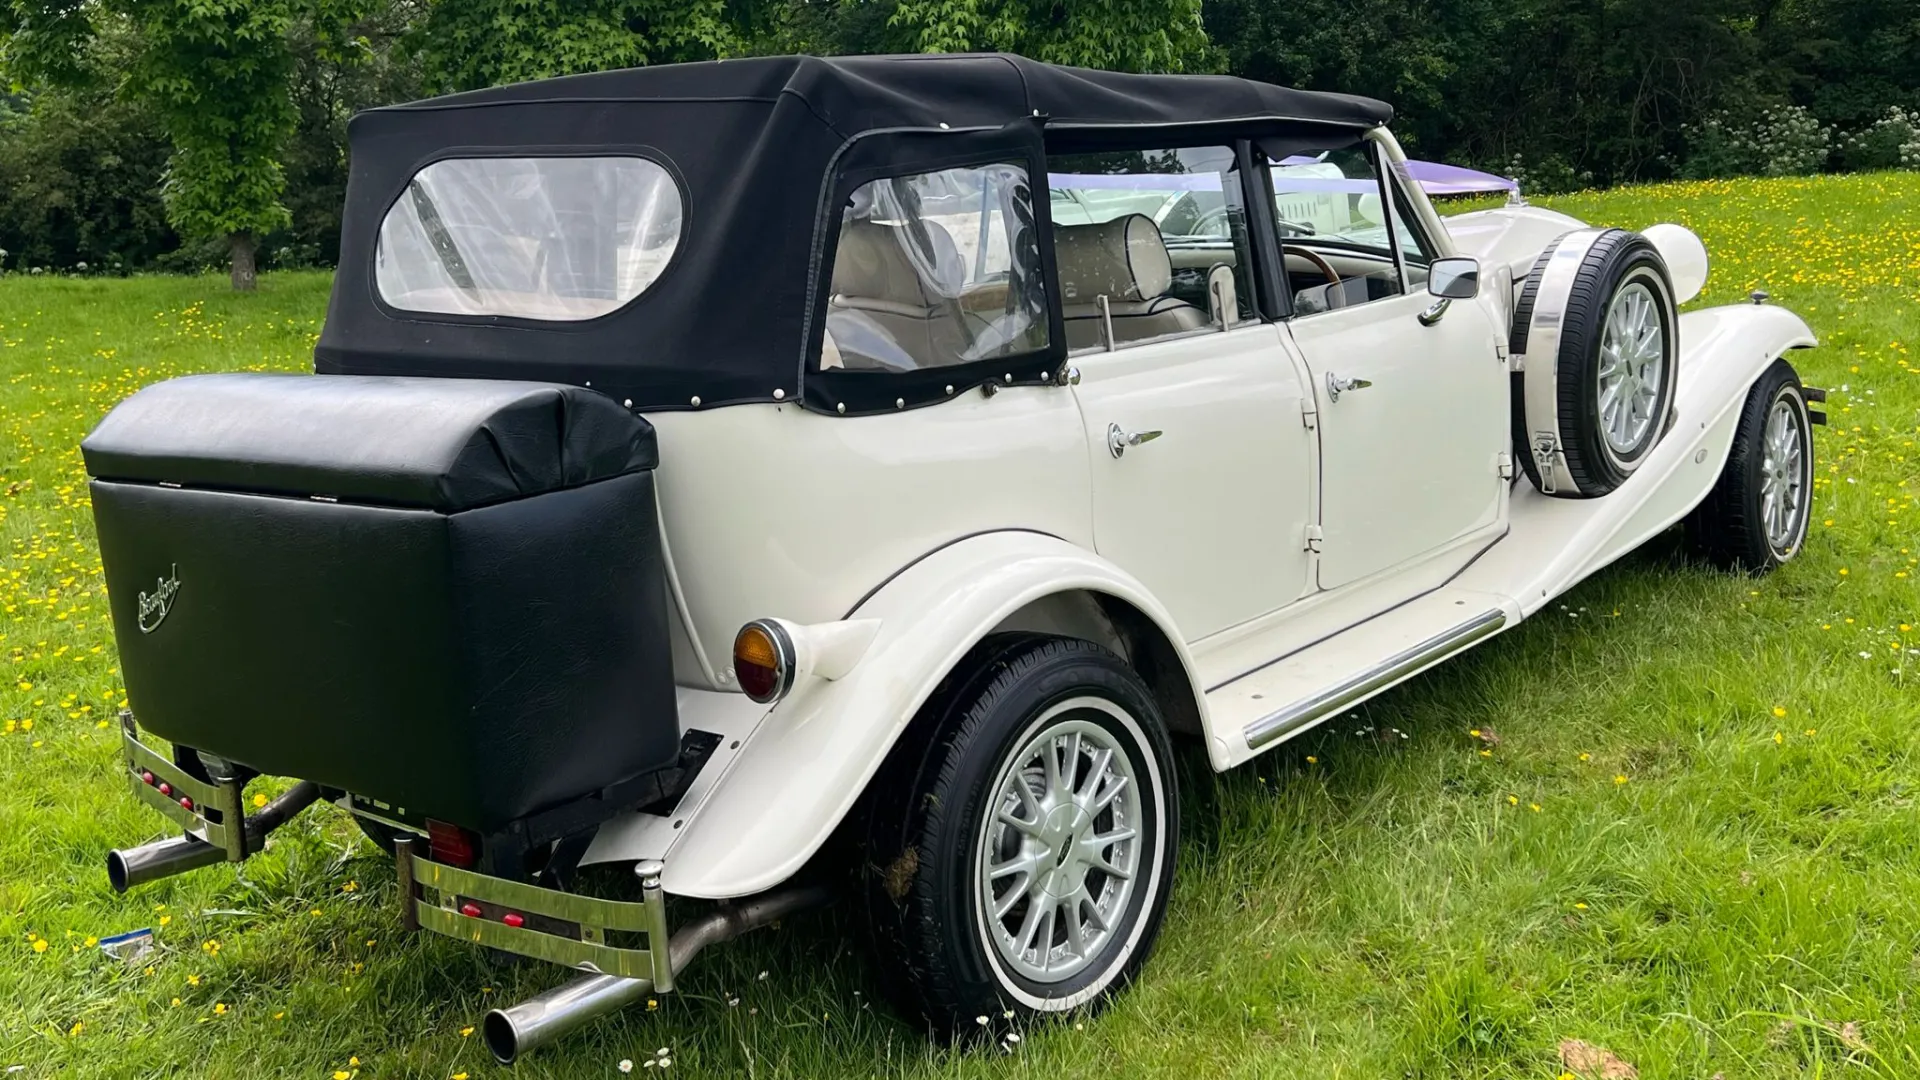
column 804, row 765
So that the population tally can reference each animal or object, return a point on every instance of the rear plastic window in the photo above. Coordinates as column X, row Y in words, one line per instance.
column 558, row 239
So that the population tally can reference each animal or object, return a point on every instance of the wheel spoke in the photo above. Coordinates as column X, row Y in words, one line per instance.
column 1100, row 862
column 1096, row 772
column 1029, row 927
column 1017, row 864
column 1076, row 926
column 1070, row 768
column 1021, row 825
column 1115, row 785
column 1094, row 914
column 1012, row 898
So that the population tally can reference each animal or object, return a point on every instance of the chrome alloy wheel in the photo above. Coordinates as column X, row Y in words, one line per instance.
column 1059, row 852
column 1784, row 476
column 1632, row 368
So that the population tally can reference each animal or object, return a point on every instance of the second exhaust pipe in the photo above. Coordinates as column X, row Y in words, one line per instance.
column 539, row 1020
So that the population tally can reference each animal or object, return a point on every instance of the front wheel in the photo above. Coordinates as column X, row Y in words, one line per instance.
column 1023, row 862
column 1755, row 518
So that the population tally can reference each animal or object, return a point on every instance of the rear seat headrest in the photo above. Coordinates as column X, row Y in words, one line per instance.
column 1124, row 259
column 873, row 262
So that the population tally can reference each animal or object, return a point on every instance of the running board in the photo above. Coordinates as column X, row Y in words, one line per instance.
column 1302, row 689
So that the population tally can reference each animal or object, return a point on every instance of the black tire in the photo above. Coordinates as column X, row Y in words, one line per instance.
column 937, row 815
column 1617, row 263
column 1730, row 528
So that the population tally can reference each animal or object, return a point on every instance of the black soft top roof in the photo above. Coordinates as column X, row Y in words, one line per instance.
column 854, row 94
column 763, row 149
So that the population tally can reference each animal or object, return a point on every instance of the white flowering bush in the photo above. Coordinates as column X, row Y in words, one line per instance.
column 1550, row 175
column 1785, row 140
column 1891, row 142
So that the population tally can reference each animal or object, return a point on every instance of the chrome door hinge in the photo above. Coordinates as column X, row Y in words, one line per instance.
column 1314, row 537
column 1309, row 416
column 1504, row 465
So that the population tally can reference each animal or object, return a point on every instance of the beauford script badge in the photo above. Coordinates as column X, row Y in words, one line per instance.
column 155, row 605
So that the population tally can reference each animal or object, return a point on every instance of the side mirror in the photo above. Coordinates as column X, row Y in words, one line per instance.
column 1454, row 279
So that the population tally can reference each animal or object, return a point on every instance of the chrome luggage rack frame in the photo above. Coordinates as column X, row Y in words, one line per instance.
column 517, row 917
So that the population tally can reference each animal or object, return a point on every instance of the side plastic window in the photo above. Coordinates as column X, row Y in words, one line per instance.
column 936, row 269
column 1149, row 243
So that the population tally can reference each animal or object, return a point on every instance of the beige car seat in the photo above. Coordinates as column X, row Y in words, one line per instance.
column 883, row 314
column 1126, row 261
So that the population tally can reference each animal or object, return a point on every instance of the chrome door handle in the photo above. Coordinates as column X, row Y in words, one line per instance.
column 1118, row 440
column 1435, row 311
column 1337, row 385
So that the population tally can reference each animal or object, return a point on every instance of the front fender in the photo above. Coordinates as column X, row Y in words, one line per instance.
column 1553, row 544
column 806, row 763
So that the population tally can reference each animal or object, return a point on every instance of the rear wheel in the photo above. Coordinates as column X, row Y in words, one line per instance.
column 1029, row 871
column 1755, row 518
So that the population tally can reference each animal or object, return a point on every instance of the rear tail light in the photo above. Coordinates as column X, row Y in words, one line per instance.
column 763, row 660
column 452, row 845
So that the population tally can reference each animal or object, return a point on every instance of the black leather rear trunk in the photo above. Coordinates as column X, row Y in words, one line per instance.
column 446, row 595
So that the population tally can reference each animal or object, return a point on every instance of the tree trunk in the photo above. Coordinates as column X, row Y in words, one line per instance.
column 240, row 249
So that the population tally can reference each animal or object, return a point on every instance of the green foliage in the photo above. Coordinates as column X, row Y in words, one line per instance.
column 468, row 44
column 1119, row 35
column 1891, row 142
column 215, row 73
column 1783, row 141
column 79, row 183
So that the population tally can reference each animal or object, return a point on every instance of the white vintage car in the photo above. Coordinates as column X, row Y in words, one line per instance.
column 708, row 461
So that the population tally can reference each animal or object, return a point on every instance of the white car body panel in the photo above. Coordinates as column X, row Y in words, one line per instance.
column 1227, row 405
column 947, row 522
column 774, row 511
column 1441, row 392
column 803, row 765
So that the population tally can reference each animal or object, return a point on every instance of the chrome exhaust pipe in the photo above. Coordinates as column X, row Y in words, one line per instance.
column 539, row 1020
column 177, row 855
column 162, row 858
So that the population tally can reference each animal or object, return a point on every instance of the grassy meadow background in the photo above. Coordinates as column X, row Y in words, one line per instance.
column 1673, row 817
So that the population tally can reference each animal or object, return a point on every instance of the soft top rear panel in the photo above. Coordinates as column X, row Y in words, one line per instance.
column 440, row 444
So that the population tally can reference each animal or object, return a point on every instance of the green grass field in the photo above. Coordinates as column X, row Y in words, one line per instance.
column 1685, row 831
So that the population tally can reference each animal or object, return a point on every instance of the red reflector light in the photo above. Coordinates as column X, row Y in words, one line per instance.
column 451, row 845
column 186, row 803
column 146, row 777
column 470, row 910
column 166, row 788
column 514, row 918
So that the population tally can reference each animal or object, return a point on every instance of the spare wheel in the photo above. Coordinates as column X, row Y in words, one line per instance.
column 1595, row 331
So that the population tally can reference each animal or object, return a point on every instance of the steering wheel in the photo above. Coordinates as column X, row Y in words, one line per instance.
column 1335, row 298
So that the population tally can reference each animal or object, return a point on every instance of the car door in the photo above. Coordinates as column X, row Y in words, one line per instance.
column 1202, row 465
column 1412, row 395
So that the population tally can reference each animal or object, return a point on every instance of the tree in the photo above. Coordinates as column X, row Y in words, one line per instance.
column 473, row 43
column 1118, row 35
column 214, row 72
column 468, row 44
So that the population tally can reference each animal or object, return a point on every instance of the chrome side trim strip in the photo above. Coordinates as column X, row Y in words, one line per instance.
column 1307, row 712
